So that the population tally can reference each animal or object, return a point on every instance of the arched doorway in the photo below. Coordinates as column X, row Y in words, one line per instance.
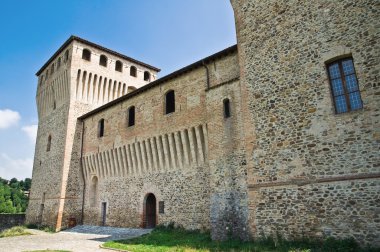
column 150, row 211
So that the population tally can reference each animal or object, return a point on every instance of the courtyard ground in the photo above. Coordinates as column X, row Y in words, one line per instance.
column 77, row 239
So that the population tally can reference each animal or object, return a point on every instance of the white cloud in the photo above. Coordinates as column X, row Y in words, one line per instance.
column 15, row 168
column 8, row 118
column 31, row 131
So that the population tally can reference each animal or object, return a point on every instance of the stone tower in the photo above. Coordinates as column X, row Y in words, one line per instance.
column 310, row 100
column 80, row 77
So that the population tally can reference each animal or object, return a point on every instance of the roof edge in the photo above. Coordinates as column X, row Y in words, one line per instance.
column 161, row 80
column 73, row 37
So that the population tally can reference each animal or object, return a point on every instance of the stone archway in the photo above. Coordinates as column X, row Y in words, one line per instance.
column 150, row 214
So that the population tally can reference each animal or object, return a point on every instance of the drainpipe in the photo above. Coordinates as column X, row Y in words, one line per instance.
column 207, row 75
column 81, row 167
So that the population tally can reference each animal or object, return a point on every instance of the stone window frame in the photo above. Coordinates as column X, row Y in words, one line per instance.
column 345, row 93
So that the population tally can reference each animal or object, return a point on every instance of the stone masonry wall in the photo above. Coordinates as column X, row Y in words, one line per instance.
column 292, row 135
column 176, row 156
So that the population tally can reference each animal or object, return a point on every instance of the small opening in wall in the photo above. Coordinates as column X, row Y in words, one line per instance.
column 161, row 207
column 146, row 76
column 103, row 60
column 226, row 108
column 133, row 71
column 170, row 102
column 86, row 55
column 101, row 128
column 131, row 116
column 48, row 146
column 119, row 66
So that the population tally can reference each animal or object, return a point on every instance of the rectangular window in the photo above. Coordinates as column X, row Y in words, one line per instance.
column 344, row 86
column 101, row 128
column 161, row 207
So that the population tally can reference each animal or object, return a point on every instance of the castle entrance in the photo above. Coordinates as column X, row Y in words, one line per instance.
column 150, row 211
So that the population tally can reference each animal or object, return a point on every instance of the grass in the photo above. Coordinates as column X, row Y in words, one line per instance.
column 42, row 228
column 179, row 240
column 14, row 231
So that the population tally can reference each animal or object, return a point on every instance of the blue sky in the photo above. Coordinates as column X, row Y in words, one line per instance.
column 168, row 34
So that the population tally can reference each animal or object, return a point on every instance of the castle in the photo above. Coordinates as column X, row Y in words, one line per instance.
column 279, row 134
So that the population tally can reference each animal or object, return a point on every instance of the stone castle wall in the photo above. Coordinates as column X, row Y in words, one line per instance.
column 310, row 171
column 176, row 156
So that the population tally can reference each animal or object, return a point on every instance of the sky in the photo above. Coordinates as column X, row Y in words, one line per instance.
column 168, row 34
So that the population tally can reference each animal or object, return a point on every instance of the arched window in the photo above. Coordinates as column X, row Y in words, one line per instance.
column 146, row 76
column 103, row 60
column 169, row 102
column 52, row 68
column 66, row 55
column 226, row 108
column 86, row 54
column 101, row 128
column 133, row 71
column 59, row 63
column 94, row 191
column 344, row 86
column 47, row 73
column 118, row 66
column 131, row 116
column 48, row 146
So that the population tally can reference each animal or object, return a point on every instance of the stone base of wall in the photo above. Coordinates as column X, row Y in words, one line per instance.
column 11, row 220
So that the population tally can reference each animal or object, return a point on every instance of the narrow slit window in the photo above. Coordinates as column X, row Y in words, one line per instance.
column 226, row 108
column 86, row 55
column 131, row 116
column 344, row 86
column 170, row 102
column 103, row 60
column 119, row 66
column 48, row 146
column 133, row 71
column 101, row 128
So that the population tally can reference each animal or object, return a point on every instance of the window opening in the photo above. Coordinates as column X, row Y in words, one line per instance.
column 48, row 146
column 101, row 128
column 86, row 54
column 103, row 60
column 131, row 116
column 119, row 66
column 226, row 108
column 133, row 71
column 146, row 76
column 344, row 86
column 169, row 102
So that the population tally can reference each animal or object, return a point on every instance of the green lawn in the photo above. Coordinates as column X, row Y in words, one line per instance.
column 14, row 231
column 177, row 240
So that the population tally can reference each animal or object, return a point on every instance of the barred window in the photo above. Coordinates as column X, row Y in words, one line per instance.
column 344, row 86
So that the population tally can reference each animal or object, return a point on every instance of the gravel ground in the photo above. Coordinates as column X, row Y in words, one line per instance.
column 77, row 239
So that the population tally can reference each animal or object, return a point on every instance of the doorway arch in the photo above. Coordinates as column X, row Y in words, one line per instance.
column 150, row 215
